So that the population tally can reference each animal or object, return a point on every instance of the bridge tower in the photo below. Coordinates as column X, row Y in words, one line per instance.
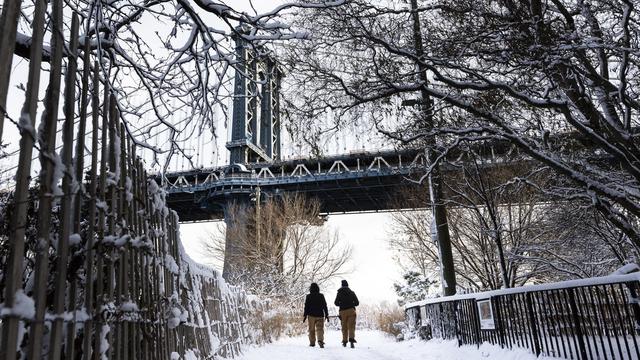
column 255, row 126
column 255, row 136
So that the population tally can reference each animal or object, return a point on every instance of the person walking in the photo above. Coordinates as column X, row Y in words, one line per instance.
column 315, row 309
column 347, row 301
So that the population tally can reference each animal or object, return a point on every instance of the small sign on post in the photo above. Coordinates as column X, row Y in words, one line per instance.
column 485, row 310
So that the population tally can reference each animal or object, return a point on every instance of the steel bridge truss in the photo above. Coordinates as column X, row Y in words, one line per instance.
column 356, row 182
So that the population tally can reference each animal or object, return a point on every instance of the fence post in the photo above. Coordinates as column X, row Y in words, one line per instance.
column 534, row 325
column 8, row 30
column 78, row 195
column 18, row 222
column 66, row 213
column 577, row 324
column 47, row 142
column 93, row 192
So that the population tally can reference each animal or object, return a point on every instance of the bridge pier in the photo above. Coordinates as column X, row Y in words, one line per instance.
column 244, row 231
column 236, row 218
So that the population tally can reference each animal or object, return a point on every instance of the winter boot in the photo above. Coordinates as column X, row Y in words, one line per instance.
column 321, row 344
column 312, row 345
column 344, row 344
column 352, row 341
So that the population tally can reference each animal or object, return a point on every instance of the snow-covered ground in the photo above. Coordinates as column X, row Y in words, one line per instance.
column 375, row 345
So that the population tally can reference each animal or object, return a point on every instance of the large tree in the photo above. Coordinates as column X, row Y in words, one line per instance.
column 557, row 80
column 506, row 234
column 494, row 223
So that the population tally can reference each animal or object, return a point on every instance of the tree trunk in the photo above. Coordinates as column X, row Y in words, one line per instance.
column 439, row 209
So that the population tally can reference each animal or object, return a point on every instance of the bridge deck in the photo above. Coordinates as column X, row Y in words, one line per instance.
column 358, row 182
column 352, row 183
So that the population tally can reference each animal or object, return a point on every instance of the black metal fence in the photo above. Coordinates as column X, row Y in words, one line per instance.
column 584, row 319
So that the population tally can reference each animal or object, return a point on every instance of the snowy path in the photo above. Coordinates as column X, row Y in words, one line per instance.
column 374, row 345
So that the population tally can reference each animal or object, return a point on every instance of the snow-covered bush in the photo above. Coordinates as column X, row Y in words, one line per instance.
column 416, row 287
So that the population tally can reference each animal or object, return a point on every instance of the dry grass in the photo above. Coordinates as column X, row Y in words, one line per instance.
column 385, row 317
column 278, row 321
column 388, row 318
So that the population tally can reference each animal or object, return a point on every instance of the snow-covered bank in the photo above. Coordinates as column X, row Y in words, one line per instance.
column 375, row 345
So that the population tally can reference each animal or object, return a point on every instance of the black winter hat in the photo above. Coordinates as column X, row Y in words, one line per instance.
column 314, row 288
column 345, row 283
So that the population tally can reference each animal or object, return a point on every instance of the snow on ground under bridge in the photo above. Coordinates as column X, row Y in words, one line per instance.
column 375, row 345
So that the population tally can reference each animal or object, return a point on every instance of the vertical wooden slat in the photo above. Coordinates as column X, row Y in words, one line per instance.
column 595, row 321
column 134, row 265
column 523, row 320
column 141, row 200
column 160, row 289
column 102, row 214
column 18, row 222
column 113, row 214
column 89, row 294
column 66, row 215
column 556, row 317
column 499, row 321
column 8, row 29
column 47, row 140
column 564, row 318
column 119, row 252
column 126, row 249
column 78, row 195
column 167, row 282
column 151, row 257
column 606, row 319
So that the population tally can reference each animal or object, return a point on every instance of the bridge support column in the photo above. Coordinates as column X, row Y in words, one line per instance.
column 253, row 239
column 236, row 218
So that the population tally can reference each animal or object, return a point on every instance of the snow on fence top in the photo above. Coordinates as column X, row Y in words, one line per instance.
column 609, row 279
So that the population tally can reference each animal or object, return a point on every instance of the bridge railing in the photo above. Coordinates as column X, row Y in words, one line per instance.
column 359, row 164
column 584, row 319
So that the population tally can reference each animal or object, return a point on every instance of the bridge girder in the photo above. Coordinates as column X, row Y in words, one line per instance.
column 362, row 182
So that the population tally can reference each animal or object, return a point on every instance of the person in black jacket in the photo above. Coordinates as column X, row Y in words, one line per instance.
column 315, row 308
column 347, row 301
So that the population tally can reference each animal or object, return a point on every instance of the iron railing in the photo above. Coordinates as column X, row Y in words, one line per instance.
column 585, row 319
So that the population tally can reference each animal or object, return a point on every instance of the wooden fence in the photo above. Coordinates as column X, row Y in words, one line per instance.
column 584, row 319
column 94, row 268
